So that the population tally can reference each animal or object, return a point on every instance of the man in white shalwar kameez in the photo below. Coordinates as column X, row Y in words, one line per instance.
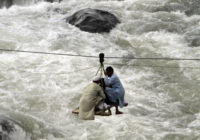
column 114, row 90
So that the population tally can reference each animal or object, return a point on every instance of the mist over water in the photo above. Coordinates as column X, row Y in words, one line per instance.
column 40, row 91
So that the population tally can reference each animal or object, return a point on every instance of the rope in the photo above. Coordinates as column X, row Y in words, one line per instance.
column 101, row 69
column 98, row 70
column 110, row 57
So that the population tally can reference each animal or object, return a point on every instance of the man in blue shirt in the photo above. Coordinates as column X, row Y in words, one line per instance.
column 114, row 90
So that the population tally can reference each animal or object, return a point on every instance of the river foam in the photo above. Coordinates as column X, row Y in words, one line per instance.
column 40, row 91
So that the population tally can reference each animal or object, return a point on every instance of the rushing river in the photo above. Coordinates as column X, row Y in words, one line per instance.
column 40, row 91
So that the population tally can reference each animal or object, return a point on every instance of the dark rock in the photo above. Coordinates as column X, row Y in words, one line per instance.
column 7, row 126
column 53, row 1
column 93, row 20
column 193, row 37
column 6, row 3
column 10, row 130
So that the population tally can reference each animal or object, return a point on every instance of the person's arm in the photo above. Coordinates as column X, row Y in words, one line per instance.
column 101, row 93
column 101, row 96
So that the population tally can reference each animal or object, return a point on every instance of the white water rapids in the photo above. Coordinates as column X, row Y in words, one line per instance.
column 40, row 91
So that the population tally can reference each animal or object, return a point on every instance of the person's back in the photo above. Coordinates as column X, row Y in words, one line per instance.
column 92, row 95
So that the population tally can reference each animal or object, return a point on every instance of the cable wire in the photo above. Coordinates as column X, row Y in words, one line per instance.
column 108, row 57
column 90, row 56
column 153, row 66
column 48, row 53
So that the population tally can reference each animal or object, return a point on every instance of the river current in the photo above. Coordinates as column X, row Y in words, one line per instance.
column 40, row 91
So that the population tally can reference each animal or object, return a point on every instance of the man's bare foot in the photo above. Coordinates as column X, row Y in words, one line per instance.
column 119, row 112
column 125, row 104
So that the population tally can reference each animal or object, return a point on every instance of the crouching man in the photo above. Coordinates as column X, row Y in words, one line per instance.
column 114, row 90
column 91, row 97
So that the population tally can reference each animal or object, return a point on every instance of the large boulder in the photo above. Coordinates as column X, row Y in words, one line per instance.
column 93, row 20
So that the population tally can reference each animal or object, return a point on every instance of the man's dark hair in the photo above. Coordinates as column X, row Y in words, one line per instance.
column 109, row 69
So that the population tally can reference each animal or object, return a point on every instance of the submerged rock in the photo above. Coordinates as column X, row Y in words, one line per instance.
column 6, row 3
column 93, row 20
column 11, row 130
column 193, row 37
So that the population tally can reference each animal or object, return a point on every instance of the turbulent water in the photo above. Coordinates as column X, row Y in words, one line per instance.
column 40, row 91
